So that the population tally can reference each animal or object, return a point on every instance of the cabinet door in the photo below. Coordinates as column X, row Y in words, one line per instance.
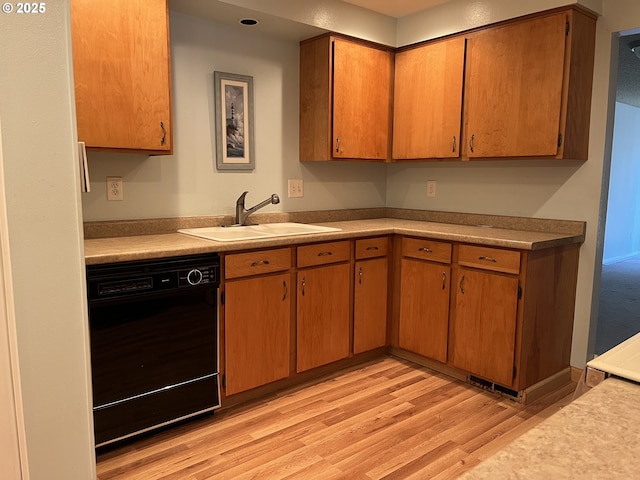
column 323, row 315
column 122, row 74
column 257, row 331
column 513, row 88
column 370, row 305
column 484, row 324
column 424, row 308
column 361, row 101
column 428, row 100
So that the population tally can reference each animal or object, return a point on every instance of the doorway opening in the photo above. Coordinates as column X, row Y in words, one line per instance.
column 619, row 307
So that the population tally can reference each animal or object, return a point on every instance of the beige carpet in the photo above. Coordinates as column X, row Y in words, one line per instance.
column 619, row 312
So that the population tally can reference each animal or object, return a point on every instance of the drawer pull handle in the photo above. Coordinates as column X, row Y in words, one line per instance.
column 488, row 259
column 373, row 248
column 261, row 262
column 324, row 254
column 425, row 249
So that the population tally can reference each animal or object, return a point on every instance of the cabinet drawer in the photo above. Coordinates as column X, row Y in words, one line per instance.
column 256, row 263
column 322, row 253
column 372, row 247
column 426, row 249
column 487, row 258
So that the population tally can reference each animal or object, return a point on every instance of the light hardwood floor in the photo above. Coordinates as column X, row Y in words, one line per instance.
column 388, row 419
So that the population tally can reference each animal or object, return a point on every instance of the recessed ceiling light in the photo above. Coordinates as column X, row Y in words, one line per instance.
column 249, row 22
column 635, row 47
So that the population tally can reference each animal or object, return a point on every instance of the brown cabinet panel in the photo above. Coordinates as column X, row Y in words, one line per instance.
column 257, row 331
column 361, row 101
column 122, row 74
column 370, row 304
column 488, row 258
column 428, row 100
column 372, row 247
column 256, row 263
column 424, row 308
column 484, row 324
column 323, row 296
column 323, row 253
column 426, row 249
column 345, row 100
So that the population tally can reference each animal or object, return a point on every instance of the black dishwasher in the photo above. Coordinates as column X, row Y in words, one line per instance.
column 154, row 343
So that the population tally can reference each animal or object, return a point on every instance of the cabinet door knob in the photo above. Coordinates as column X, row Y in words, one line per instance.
column 164, row 134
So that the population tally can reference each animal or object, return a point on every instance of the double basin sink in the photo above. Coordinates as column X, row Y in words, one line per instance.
column 254, row 232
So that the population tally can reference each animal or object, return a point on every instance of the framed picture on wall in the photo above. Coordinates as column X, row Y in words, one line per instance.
column 234, row 121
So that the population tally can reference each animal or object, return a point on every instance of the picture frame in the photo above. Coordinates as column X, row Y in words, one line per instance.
column 234, row 121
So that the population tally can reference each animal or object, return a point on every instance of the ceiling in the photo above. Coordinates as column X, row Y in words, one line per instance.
column 396, row 8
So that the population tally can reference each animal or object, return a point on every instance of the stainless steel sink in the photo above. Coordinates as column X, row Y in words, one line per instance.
column 253, row 232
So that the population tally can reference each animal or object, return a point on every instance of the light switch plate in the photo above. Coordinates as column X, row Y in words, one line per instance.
column 431, row 188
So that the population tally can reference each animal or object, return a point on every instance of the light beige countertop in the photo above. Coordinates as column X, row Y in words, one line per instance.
column 128, row 247
column 597, row 436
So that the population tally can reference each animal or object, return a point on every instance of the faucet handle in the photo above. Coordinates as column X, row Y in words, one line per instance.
column 240, row 200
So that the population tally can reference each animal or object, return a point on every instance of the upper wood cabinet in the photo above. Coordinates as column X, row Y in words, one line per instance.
column 528, row 88
column 122, row 74
column 428, row 100
column 345, row 100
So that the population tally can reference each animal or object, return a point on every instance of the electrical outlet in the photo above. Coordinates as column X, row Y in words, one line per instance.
column 296, row 188
column 431, row 188
column 114, row 188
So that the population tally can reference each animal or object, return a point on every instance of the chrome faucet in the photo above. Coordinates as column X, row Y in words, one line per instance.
column 242, row 213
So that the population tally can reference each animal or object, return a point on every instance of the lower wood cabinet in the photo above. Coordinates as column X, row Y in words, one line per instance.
column 424, row 297
column 484, row 322
column 370, row 294
column 257, row 319
column 323, row 304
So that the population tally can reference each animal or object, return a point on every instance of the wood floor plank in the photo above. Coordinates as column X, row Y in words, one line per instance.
column 386, row 419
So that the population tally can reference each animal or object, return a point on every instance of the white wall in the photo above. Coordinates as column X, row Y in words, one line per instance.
column 623, row 209
column 187, row 183
column 45, row 240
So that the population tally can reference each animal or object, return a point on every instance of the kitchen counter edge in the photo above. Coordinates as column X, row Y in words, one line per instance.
column 143, row 247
